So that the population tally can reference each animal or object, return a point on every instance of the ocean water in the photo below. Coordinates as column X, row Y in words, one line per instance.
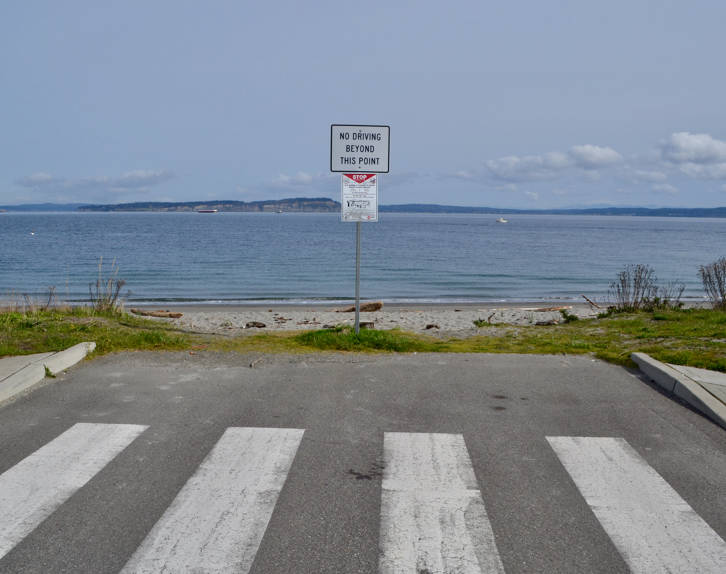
column 246, row 258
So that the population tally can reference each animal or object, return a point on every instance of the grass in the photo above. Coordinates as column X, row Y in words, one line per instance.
column 694, row 337
column 53, row 330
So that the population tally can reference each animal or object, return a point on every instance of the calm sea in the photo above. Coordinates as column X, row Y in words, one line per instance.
column 245, row 258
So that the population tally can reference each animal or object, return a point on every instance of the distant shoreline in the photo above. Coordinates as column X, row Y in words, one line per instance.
column 327, row 205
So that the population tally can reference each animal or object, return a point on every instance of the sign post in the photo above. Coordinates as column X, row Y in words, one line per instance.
column 359, row 152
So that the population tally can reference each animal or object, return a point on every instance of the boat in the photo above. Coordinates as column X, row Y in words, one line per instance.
column 502, row 220
column 207, row 210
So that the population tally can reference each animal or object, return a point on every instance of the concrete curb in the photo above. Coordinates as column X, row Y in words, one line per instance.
column 680, row 385
column 34, row 372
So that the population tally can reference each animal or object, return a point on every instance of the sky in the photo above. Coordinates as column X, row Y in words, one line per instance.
column 537, row 104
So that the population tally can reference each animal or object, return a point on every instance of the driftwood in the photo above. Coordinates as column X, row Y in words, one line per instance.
column 543, row 309
column 365, row 307
column 592, row 303
column 165, row 314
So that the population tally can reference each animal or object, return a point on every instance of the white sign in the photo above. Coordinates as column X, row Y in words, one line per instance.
column 359, row 197
column 359, row 148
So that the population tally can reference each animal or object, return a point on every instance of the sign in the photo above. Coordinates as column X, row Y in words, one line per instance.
column 359, row 149
column 359, row 197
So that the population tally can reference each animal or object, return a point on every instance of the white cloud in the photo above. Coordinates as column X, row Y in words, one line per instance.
column 665, row 188
column 697, row 155
column 684, row 147
column 592, row 157
column 529, row 167
column 533, row 195
column 554, row 164
column 699, row 171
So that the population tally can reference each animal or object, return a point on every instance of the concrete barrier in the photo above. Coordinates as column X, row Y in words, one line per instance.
column 678, row 384
column 18, row 374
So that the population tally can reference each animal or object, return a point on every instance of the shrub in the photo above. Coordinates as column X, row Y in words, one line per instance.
column 105, row 293
column 669, row 297
column 713, row 277
column 634, row 288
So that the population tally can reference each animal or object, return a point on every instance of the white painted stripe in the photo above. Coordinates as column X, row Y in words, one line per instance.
column 654, row 529
column 433, row 517
column 32, row 489
column 216, row 522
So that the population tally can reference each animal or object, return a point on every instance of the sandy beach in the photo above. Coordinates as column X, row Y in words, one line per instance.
column 433, row 319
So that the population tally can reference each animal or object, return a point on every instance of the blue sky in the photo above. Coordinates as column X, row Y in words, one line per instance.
column 505, row 104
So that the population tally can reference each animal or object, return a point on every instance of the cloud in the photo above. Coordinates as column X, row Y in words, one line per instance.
column 684, row 147
column 138, row 180
column 665, row 188
column 554, row 164
column 592, row 157
column 713, row 171
column 528, row 168
column 533, row 195
column 699, row 156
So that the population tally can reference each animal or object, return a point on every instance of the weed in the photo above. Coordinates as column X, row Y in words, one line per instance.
column 105, row 292
column 634, row 287
column 568, row 317
column 713, row 277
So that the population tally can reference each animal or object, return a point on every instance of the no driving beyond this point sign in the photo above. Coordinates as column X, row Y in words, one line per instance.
column 360, row 149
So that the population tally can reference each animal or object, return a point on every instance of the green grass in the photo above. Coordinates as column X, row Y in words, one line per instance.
column 54, row 330
column 694, row 337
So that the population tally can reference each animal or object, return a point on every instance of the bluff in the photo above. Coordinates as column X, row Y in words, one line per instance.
column 295, row 204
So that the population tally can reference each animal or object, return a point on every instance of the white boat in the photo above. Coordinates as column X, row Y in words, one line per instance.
column 502, row 220
column 207, row 210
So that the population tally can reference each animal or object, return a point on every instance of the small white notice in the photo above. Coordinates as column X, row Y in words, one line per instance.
column 359, row 197
column 360, row 149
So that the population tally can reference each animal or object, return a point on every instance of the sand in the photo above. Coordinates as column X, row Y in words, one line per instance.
column 435, row 319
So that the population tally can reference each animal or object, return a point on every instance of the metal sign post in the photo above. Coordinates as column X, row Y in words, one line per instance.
column 361, row 152
column 357, row 277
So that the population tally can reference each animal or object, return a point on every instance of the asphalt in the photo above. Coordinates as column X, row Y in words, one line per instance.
column 327, row 517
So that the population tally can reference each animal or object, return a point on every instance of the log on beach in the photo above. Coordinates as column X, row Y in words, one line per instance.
column 365, row 307
column 165, row 314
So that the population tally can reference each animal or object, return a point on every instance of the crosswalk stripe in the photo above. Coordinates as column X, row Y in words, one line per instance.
column 433, row 517
column 654, row 529
column 216, row 522
column 32, row 489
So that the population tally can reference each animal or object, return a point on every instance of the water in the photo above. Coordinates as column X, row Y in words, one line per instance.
column 245, row 257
